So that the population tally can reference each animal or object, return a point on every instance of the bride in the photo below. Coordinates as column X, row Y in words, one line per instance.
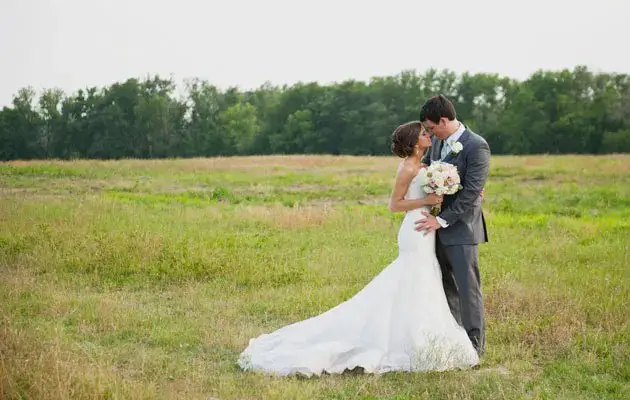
column 400, row 321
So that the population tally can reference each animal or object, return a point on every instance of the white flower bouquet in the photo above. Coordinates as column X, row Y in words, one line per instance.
column 442, row 179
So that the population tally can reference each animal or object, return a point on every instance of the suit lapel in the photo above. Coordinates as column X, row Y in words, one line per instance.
column 462, row 139
column 436, row 148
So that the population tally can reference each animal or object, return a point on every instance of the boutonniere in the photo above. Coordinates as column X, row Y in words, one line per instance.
column 456, row 147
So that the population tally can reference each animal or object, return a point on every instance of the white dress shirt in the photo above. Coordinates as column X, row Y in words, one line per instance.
column 453, row 138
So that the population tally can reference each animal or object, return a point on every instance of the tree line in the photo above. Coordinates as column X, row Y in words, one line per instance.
column 567, row 111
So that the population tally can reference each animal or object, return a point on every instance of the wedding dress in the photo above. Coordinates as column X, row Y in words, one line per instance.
column 400, row 321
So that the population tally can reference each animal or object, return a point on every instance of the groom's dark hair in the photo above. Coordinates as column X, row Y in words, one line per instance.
column 437, row 107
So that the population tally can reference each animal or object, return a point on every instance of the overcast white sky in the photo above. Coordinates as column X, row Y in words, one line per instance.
column 73, row 44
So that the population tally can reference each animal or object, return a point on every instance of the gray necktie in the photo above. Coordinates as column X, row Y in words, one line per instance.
column 446, row 148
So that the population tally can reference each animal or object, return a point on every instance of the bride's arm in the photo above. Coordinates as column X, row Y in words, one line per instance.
column 397, row 202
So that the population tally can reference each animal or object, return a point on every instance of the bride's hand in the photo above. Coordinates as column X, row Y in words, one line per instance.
column 433, row 199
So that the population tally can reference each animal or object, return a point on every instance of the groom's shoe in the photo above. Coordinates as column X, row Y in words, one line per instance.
column 477, row 345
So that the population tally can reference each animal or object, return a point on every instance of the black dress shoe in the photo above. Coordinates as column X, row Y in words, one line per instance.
column 477, row 346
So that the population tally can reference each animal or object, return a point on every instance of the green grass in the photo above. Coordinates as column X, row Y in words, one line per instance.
column 145, row 279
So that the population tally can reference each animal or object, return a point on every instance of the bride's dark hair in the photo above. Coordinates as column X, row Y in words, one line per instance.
column 405, row 138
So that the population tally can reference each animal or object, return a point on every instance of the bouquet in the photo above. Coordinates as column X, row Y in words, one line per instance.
column 441, row 178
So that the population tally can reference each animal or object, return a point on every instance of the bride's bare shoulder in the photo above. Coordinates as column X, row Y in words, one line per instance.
column 407, row 168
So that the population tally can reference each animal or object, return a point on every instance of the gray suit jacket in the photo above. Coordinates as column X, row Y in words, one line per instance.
column 462, row 210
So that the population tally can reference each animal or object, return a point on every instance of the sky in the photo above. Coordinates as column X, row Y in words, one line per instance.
column 73, row 44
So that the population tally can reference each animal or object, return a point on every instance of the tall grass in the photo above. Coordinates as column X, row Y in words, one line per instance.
column 145, row 279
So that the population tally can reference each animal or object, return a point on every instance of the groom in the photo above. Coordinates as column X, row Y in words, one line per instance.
column 460, row 226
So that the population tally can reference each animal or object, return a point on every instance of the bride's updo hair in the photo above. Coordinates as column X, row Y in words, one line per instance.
column 405, row 138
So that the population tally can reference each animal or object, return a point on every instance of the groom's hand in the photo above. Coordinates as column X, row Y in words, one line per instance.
column 429, row 224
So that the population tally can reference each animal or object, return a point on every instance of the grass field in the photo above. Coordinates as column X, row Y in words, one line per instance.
column 145, row 279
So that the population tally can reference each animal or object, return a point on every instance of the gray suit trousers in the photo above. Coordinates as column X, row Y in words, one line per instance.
column 460, row 277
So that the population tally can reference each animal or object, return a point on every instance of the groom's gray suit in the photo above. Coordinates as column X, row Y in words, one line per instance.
column 456, row 245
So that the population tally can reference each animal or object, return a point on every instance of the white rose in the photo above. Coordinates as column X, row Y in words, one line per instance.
column 457, row 147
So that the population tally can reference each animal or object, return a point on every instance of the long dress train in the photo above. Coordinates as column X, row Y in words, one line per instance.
column 400, row 321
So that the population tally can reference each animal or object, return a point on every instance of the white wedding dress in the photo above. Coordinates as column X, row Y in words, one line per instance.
column 400, row 321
